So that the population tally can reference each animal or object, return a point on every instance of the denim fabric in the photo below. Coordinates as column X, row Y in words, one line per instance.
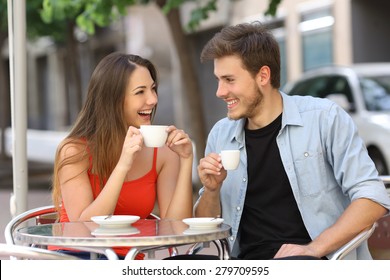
column 325, row 160
column 82, row 255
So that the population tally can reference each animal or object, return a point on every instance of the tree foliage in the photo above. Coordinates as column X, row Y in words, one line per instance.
column 86, row 13
column 36, row 27
column 91, row 13
column 49, row 17
column 272, row 7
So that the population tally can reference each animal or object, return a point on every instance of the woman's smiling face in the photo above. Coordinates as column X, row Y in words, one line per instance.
column 140, row 98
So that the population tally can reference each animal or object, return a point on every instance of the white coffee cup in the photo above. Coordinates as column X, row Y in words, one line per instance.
column 230, row 159
column 154, row 135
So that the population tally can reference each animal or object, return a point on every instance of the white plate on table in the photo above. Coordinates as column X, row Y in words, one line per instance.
column 104, row 231
column 115, row 221
column 203, row 223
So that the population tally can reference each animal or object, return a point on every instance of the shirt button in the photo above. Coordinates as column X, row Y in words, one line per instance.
column 238, row 208
column 306, row 154
column 244, row 179
column 231, row 238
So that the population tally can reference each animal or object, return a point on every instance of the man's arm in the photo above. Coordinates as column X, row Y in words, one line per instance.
column 358, row 216
column 211, row 174
column 208, row 205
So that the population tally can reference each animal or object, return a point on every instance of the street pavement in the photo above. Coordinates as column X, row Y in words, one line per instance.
column 39, row 188
column 35, row 198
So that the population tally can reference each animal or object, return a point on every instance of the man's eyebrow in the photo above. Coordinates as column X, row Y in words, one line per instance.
column 224, row 76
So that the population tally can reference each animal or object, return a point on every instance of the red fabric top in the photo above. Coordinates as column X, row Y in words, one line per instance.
column 137, row 197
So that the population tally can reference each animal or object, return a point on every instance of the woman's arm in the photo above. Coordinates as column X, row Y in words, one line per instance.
column 211, row 175
column 174, row 183
column 75, row 186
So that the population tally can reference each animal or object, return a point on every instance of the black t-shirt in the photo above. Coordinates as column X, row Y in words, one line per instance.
column 270, row 217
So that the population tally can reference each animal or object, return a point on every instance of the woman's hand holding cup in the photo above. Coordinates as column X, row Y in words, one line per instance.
column 179, row 142
column 132, row 144
column 159, row 135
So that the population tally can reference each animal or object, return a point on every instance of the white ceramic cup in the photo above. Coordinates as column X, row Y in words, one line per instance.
column 230, row 159
column 154, row 135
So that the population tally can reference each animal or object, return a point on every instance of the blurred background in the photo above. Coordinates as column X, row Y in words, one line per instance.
column 66, row 39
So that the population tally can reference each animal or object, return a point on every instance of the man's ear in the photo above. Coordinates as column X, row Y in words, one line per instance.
column 263, row 77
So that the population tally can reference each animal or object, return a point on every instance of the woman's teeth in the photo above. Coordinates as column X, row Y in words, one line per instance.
column 145, row 112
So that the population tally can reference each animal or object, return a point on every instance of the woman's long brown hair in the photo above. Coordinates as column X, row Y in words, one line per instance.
column 100, row 127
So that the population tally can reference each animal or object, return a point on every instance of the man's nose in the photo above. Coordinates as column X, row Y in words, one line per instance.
column 221, row 91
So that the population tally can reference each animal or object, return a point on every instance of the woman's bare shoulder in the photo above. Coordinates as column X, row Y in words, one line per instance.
column 70, row 147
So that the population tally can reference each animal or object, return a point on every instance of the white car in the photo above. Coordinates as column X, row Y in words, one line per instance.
column 363, row 90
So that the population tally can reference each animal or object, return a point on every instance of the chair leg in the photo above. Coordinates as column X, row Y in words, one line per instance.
column 225, row 249
column 173, row 251
column 194, row 248
column 131, row 254
column 197, row 247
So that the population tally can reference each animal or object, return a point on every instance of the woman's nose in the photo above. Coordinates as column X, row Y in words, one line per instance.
column 152, row 98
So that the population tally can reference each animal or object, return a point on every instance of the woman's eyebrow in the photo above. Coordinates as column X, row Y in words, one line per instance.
column 139, row 87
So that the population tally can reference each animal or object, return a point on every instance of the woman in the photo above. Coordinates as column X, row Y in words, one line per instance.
column 103, row 168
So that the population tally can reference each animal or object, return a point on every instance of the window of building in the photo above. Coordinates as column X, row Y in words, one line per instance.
column 316, row 28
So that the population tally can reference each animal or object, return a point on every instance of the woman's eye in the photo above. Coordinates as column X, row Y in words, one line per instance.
column 139, row 92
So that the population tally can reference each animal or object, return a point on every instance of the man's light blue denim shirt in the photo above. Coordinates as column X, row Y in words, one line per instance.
column 325, row 160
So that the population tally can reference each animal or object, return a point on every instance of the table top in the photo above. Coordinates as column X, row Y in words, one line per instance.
column 141, row 234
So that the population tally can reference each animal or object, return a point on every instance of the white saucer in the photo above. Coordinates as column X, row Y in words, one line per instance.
column 103, row 231
column 115, row 221
column 203, row 223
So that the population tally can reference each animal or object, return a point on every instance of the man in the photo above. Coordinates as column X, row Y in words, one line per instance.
column 305, row 184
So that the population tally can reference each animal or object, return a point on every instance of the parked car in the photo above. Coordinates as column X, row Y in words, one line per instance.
column 363, row 90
